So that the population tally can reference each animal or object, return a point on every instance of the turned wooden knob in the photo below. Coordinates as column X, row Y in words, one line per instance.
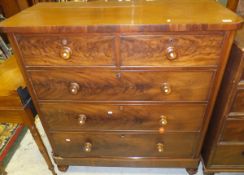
column 171, row 53
column 163, row 120
column 160, row 147
column 110, row 114
column 87, row 147
column 74, row 88
column 82, row 119
column 66, row 53
column 166, row 88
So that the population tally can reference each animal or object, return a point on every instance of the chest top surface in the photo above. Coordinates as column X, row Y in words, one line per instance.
column 114, row 16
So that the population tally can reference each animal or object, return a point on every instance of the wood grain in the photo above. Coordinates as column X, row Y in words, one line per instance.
column 87, row 50
column 124, row 145
column 193, row 79
column 129, row 162
column 11, row 79
column 223, row 148
column 151, row 50
column 238, row 104
column 132, row 16
column 8, row 72
column 132, row 85
column 135, row 117
column 229, row 155
column 233, row 131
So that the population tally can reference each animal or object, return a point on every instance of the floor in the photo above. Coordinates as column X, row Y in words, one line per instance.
column 28, row 161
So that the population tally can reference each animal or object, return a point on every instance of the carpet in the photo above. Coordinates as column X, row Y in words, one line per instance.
column 10, row 137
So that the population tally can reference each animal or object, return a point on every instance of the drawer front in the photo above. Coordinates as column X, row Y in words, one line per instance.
column 170, row 50
column 78, row 117
column 229, row 155
column 233, row 131
column 128, row 85
column 180, row 145
column 67, row 50
column 238, row 104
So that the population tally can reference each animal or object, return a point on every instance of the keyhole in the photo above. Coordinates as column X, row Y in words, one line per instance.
column 118, row 75
column 64, row 42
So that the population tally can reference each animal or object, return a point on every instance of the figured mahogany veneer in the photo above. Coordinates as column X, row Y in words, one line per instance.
column 136, row 50
column 124, row 83
column 129, row 86
column 125, row 145
column 87, row 50
column 151, row 50
column 119, row 117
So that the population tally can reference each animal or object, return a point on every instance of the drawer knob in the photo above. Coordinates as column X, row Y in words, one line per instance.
column 160, row 147
column 68, row 140
column 87, row 147
column 82, row 119
column 66, row 53
column 74, row 88
column 166, row 88
column 163, row 120
column 171, row 53
column 110, row 114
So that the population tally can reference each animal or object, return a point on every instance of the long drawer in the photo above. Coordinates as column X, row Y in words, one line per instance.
column 171, row 50
column 121, row 85
column 85, row 117
column 67, row 50
column 124, row 145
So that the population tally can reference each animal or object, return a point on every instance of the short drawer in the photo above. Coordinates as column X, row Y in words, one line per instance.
column 67, row 50
column 121, row 86
column 238, row 104
column 229, row 155
column 178, row 145
column 88, row 117
column 233, row 131
column 171, row 50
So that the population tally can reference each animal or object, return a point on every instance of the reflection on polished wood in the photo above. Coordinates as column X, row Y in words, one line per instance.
column 157, row 15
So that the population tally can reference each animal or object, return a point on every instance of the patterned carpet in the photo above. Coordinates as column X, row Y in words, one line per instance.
column 10, row 136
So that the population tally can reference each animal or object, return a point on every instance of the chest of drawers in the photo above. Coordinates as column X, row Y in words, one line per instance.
column 124, row 83
column 223, row 150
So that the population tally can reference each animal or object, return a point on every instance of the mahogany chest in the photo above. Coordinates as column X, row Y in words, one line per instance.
column 124, row 83
column 223, row 150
